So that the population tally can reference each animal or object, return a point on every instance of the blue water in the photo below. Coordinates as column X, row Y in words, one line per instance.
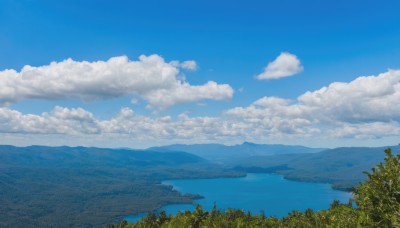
column 259, row 193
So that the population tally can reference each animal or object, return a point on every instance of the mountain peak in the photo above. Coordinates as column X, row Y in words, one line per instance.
column 245, row 143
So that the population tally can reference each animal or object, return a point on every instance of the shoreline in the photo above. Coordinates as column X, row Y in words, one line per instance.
column 196, row 196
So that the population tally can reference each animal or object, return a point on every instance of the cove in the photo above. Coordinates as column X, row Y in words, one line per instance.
column 270, row 194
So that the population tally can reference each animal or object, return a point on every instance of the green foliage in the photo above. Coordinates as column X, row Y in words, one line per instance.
column 378, row 205
column 340, row 216
column 90, row 187
column 379, row 196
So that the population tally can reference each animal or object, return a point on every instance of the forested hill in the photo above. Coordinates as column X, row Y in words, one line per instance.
column 222, row 153
column 90, row 187
column 90, row 156
column 343, row 167
column 377, row 200
column 86, row 186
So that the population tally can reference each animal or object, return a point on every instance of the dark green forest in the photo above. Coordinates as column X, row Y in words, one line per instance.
column 91, row 187
column 377, row 205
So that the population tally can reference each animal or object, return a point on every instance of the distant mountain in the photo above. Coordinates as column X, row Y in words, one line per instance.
column 343, row 167
column 64, row 156
column 223, row 153
column 90, row 186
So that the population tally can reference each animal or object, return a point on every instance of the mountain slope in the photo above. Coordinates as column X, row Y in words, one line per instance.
column 342, row 167
column 89, row 156
column 223, row 153
column 90, row 187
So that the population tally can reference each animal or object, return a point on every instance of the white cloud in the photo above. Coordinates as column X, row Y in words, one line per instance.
column 373, row 130
column 134, row 101
column 185, row 93
column 271, row 101
column 365, row 99
column 363, row 109
column 59, row 121
column 285, row 65
column 151, row 78
column 79, row 122
column 188, row 65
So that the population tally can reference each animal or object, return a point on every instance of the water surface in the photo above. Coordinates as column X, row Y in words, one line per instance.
column 259, row 193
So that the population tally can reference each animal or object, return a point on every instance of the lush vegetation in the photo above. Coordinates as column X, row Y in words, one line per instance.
column 377, row 199
column 80, row 186
column 90, row 187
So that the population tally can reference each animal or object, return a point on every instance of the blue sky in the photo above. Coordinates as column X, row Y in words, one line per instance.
column 231, row 43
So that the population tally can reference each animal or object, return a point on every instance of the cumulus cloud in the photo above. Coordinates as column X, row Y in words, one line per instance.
column 185, row 93
column 285, row 65
column 369, row 130
column 365, row 108
column 271, row 101
column 75, row 121
column 150, row 78
column 188, row 65
column 367, row 98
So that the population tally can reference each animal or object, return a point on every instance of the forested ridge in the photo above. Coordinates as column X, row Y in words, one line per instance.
column 90, row 187
column 376, row 203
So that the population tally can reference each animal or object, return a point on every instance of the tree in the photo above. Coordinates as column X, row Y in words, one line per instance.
column 162, row 218
column 379, row 197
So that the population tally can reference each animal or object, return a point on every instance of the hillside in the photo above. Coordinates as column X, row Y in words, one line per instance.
column 84, row 187
column 222, row 153
column 377, row 202
column 81, row 186
column 342, row 167
column 41, row 156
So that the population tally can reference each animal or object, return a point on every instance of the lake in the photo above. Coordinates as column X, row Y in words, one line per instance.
column 270, row 194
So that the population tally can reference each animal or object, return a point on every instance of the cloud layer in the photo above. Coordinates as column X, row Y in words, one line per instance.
column 150, row 78
column 284, row 65
column 365, row 108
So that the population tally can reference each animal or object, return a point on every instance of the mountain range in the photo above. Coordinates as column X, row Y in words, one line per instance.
column 342, row 167
column 88, row 186
column 223, row 153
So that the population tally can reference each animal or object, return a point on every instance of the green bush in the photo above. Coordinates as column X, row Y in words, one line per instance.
column 379, row 197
